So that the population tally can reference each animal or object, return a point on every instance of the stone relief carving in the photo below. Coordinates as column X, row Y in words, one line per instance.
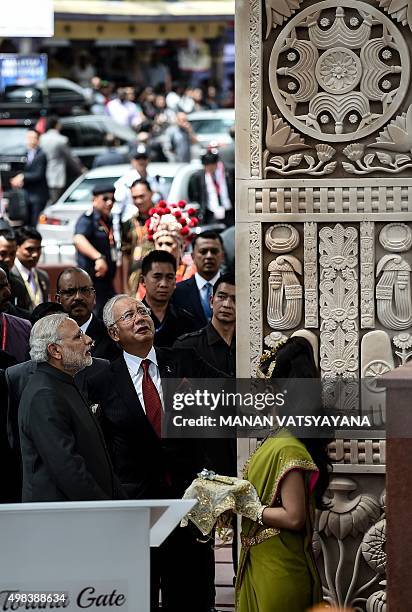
column 367, row 274
column 320, row 196
column 401, row 10
column 277, row 11
column 403, row 342
column 376, row 355
column 282, row 238
column 338, row 303
column 344, row 70
column 255, row 293
column 310, row 260
column 393, row 292
column 284, row 310
column 395, row 138
column 280, row 137
column 350, row 518
column 376, row 360
column 358, row 452
column 254, row 86
column 396, row 237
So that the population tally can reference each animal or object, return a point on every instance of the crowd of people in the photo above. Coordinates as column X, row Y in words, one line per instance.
column 83, row 364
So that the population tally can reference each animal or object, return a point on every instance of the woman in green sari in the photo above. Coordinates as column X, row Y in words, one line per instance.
column 277, row 571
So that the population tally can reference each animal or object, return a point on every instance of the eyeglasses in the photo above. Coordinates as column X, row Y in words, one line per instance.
column 131, row 315
column 68, row 293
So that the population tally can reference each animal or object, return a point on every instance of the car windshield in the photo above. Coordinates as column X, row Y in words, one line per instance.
column 83, row 191
column 13, row 140
column 211, row 126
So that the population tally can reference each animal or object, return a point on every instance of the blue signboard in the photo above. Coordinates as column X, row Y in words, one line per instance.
column 16, row 69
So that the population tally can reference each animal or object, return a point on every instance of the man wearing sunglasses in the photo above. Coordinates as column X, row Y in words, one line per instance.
column 76, row 293
column 151, row 467
column 96, row 246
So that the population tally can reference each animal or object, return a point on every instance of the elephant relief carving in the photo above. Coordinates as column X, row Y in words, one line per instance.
column 393, row 292
column 284, row 310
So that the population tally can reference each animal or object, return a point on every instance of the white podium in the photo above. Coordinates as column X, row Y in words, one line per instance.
column 82, row 555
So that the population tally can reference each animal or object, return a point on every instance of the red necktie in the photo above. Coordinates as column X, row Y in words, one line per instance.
column 151, row 399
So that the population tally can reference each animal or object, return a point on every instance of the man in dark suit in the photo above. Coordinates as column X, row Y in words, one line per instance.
column 76, row 294
column 14, row 331
column 159, row 280
column 35, row 280
column 8, row 248
column 209, row 187
column 17, row 378
column 131, row 405
column 194, row 294
column 33, row 178
column 63, row 451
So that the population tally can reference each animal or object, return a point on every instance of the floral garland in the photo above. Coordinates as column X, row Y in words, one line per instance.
column 171, row 219
column 267, row 361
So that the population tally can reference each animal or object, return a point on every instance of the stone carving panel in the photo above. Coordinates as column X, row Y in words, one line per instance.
column 326, row 72
column 255, row 86
column 284, row 310
column 352, row 530
column 255, row 293
column 401, row 10
column 277, row 11
column 327, row 198
column 311, row 274
column 396, row 237
column 393, row 292
column 338, row 302
column 367, row 274
column 282, row 238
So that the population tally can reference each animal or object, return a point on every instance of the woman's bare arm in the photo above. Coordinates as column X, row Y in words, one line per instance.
column 292, row 513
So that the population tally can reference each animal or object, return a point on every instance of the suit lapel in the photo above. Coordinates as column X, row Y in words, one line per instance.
column 125, row 387
column 195, row 300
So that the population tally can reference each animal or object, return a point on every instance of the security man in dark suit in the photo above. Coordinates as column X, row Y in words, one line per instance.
column 194, row 293
column 33, row 178
column 63, row 451
column 216, row 342
column 96, row 245
column 159, row 280
column 130, row 397
column 76, row 294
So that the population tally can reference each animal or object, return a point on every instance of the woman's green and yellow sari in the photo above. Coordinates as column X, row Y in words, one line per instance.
column 277, row 572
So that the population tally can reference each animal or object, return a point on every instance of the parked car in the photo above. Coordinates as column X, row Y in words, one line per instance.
column 57, row 221
column 65, row 97
column 52, row 96
column 12, row 150
column 86, row 135
column 211, row 126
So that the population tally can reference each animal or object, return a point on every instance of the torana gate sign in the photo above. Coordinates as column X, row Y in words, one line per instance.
column 324, row 230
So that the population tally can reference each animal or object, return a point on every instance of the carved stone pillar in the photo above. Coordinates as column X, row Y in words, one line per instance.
column 324, row 229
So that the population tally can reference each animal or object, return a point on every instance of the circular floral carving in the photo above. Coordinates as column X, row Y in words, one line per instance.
column 373, row 547
column 282, row 238
column 338, row 70
column 396, row 237
column 403, row 341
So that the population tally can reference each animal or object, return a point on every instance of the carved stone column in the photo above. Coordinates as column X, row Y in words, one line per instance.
column 324, row 229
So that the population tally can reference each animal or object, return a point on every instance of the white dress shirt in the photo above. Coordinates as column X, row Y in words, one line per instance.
column 136, row 373
column 201, row 282
column 86, row 325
